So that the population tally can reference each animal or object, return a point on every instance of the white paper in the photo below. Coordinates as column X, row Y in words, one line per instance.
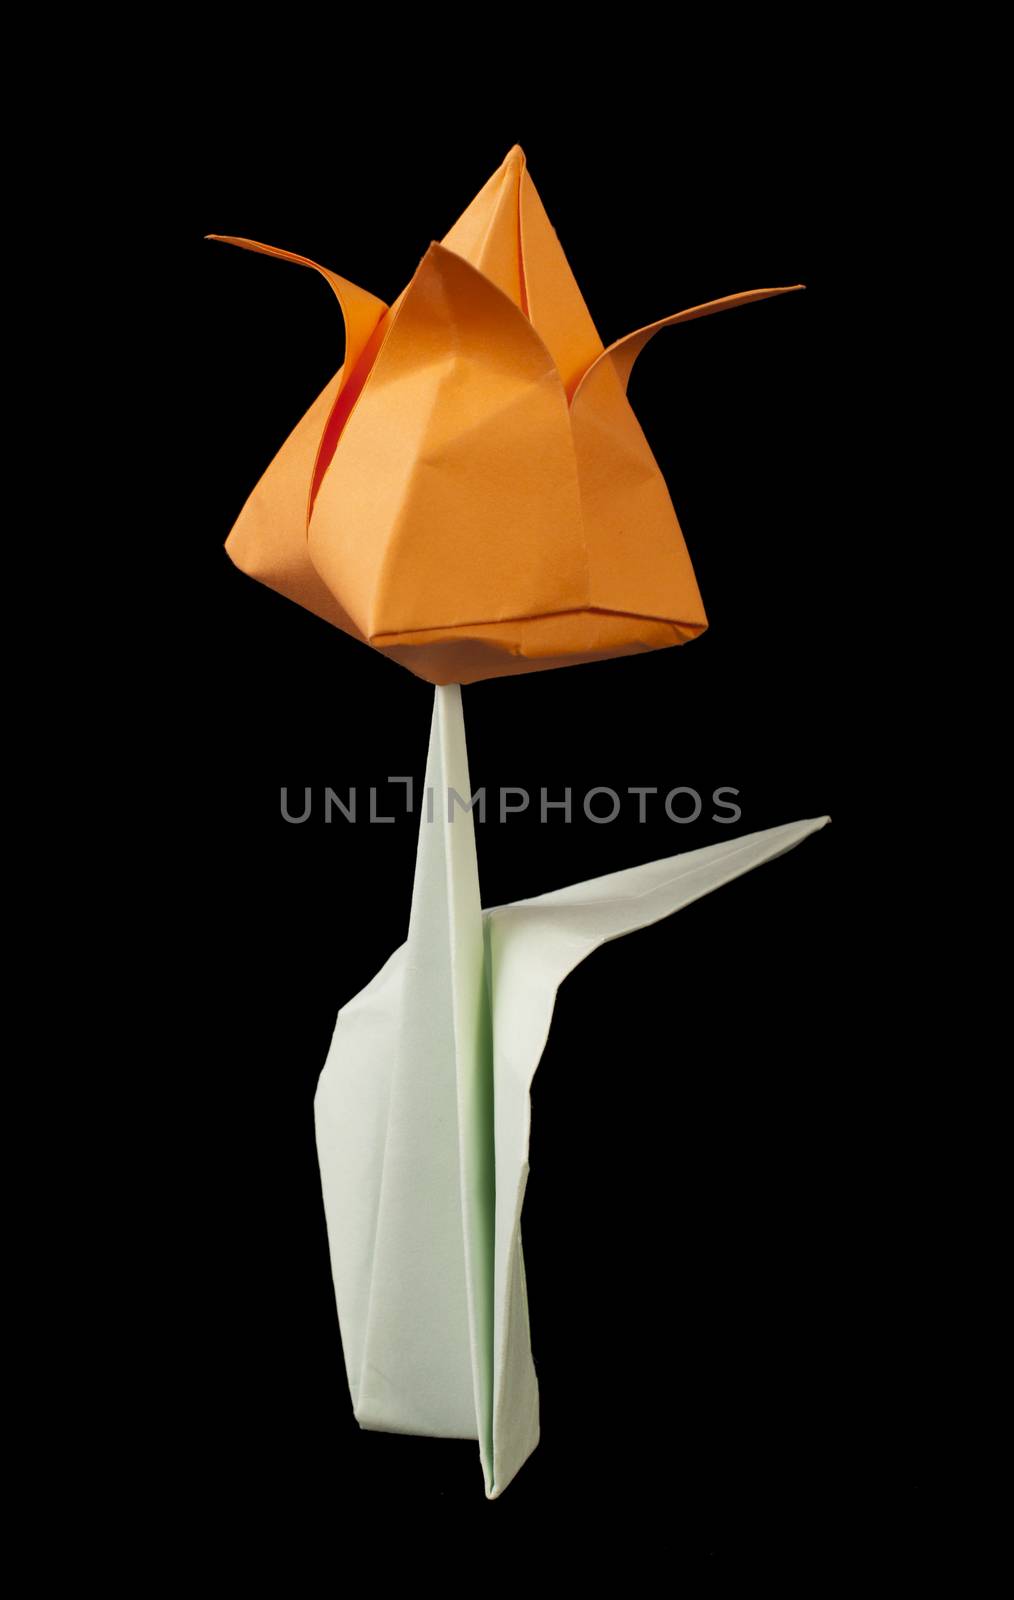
column 423, row 1113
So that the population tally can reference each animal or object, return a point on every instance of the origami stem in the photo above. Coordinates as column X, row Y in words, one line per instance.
column 423, row 1113
column 404, row 1114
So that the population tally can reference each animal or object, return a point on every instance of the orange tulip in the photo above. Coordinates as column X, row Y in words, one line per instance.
column 472, row 494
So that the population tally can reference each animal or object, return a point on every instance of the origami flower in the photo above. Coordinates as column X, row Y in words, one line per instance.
column 472, row 494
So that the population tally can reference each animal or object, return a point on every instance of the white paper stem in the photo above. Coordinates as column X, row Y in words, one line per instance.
column 423, row 1113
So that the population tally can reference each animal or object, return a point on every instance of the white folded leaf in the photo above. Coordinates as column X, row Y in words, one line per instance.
column 423, row 1113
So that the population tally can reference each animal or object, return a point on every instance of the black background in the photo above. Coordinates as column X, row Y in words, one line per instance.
column 698, row 1222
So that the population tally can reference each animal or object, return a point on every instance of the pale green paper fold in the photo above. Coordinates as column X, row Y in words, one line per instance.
column 423, row 1113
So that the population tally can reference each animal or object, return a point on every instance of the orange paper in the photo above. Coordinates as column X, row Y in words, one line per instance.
column 472, row 494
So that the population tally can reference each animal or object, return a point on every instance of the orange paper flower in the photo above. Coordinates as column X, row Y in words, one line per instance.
column 472, row 494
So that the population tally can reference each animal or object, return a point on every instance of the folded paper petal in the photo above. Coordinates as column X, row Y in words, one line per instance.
column 506, row 234
column 361, row 311
column 622, row 354
column 423, row 1111
column 637, row 555
column 268, row 539
column 452, row 498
